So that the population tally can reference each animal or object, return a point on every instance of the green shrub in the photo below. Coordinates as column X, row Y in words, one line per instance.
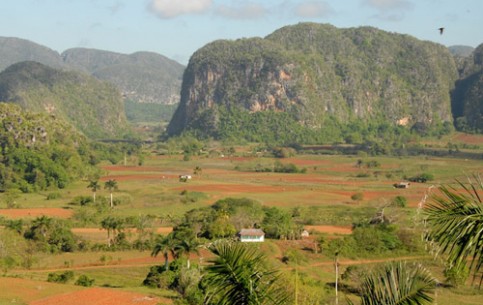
column 85, row 281
column 422, row 178
column 60, row 277
column 357, row 196
column 82, row 200
column 399, row 201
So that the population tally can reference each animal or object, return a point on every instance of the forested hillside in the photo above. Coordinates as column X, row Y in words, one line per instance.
column 92, row 106
column 310, row 81
column 39, row 151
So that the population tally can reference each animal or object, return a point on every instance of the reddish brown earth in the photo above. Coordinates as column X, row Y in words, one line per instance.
column 330, row 229
column 236, row 188
column 470, row 138
column 138, row 177
column 100, row 296
column 161, row 230
column 25, row 213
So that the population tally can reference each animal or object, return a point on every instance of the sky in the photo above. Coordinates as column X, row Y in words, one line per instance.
column 177, row 28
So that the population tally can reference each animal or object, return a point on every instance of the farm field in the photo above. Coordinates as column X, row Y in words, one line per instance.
column 322, row 195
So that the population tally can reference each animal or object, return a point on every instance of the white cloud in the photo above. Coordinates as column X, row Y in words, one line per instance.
column 313, row 9
column 388, row 5
column 242, row 10
column 172, row 8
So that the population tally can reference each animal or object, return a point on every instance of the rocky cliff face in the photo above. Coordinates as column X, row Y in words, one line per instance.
column 467, row 99
column 313, row 72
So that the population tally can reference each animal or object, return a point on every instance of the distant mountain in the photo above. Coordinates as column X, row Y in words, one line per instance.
column 94, row 107
column 315, row 75
column 462, row 51
column 14, row 50
column 142, row 77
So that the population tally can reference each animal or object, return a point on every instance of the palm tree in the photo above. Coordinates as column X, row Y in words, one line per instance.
column 238, row 276
column 111, row 225
column 186, row 247
column 455, row 222
column 166, row 245
column 398, row 284
column 94, row 186
column 111, row 185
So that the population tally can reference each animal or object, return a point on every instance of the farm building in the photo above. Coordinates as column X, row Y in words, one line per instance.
column 401, row 185
column 251, row 235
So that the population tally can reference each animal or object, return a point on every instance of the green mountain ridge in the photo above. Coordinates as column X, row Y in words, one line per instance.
column 316, row 74
column 142, row 77
column 94, row 107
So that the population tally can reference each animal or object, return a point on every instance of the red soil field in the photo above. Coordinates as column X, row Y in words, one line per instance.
column 161, row 230
column 23, row 213
column 236, row 188
column 18, row 290
column 117, row 168
column 99, row 296
column 470, row 138
column 330, row 229
column 138, row 177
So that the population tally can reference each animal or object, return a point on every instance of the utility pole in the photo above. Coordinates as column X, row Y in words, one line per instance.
column 336, row 263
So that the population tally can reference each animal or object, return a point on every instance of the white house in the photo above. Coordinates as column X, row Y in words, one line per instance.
column 251, row 235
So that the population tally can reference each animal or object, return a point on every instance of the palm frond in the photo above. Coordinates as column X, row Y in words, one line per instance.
column 398, row 284
column 455, row 219
column 239, row 276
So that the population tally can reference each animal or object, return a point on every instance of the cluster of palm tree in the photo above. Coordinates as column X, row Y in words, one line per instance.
column 176, row 244
column 110, row 185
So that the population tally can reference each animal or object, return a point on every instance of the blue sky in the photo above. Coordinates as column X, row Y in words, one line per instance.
column 177, row 28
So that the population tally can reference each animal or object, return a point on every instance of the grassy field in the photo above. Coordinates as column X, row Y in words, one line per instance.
column 323, row 193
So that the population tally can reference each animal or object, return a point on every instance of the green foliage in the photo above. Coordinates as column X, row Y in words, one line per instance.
column 160, row 277
column 399, row 201
column 375, row 240
column 422, row 178
column 62, row 278
column 357, row 196
column 84, row 280
column 39, row 152
column 81, row 200
column 279, row 224
column 51, row 235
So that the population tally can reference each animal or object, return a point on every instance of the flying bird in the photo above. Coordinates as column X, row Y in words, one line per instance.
column 441, row 30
